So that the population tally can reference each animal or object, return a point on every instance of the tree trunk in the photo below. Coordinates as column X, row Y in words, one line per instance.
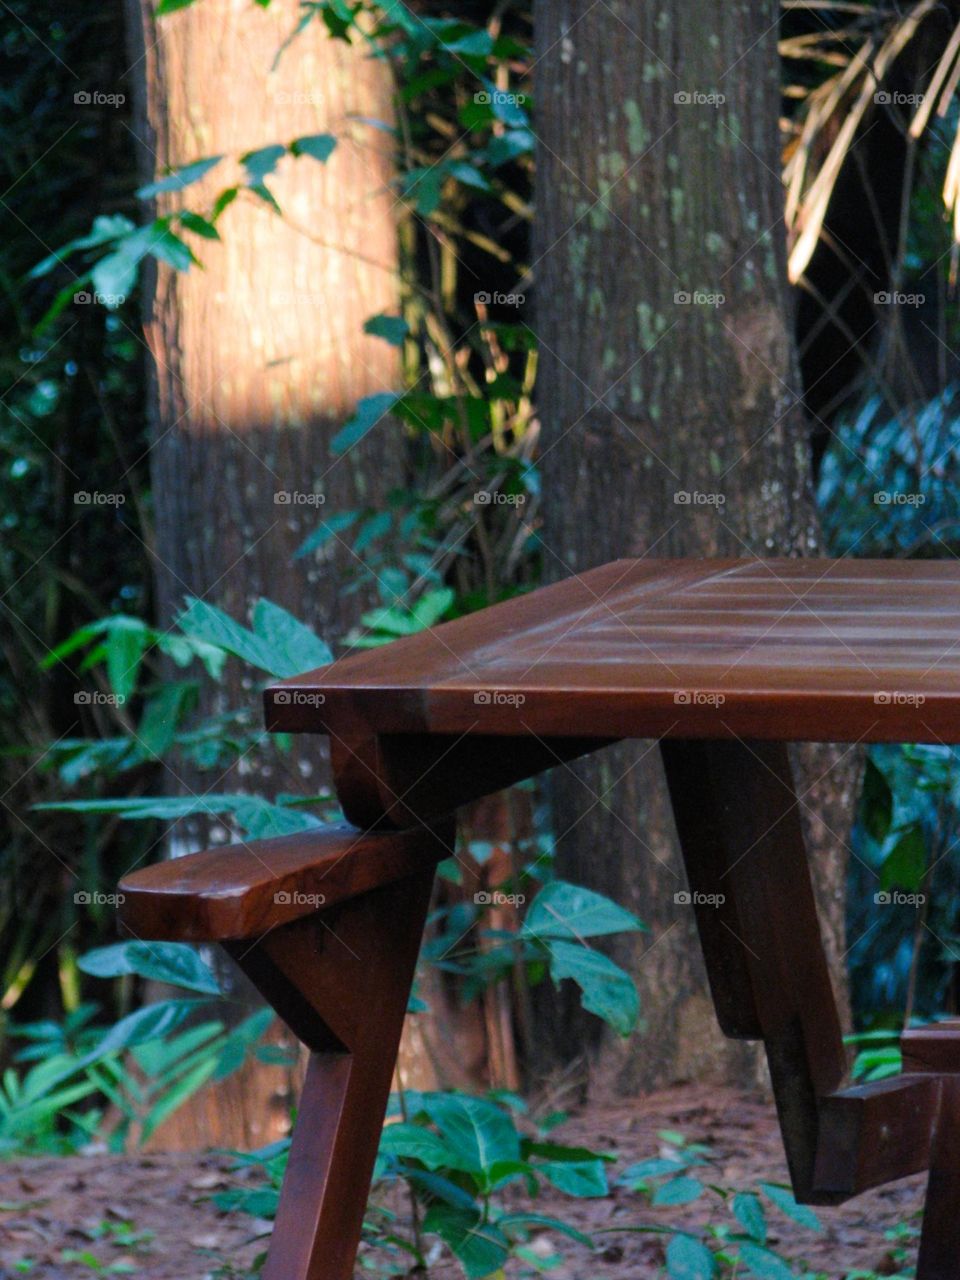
column 260, row 357
column 671, row 417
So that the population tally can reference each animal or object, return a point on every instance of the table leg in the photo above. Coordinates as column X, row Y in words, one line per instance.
column 341, row 980
column 739, row 826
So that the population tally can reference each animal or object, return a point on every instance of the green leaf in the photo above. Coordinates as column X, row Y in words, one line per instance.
column 761, row 1262
column 639, row 1174
column 415, row 1142
column 168, row 247
column 905, row 865
column 126, row 646
column 329, row 529
column 481, row 1248
column 172, row 962
column 149, row 1023
column 224, row 200
column 562, row 910
column 370, row 410
column 431, row 607
column 106, row 228
column 508, row 146
column 372, row 530
column 479, row 43
column 261, row 163
column 318, row 145
column 258, row 817
column 179, row 178
column 171, row 6
column 392, row 329
column 199, row 226
column 509, row 1220
column 783, row 1199
column 607, row 990
column 176, row 1096
column 477, row 1131
column 162, row 715
column 689, row 1259
column 682, row 1190
column 582, row 1178
column 293, row 647
column 425, row 188
column 213, row 626
column 115, row 275
column 748, row 1211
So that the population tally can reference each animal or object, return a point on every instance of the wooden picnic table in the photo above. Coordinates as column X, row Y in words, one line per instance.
column 725, row 661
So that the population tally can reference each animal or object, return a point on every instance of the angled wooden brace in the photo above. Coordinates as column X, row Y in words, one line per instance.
column 738, row 820
column 327, row 924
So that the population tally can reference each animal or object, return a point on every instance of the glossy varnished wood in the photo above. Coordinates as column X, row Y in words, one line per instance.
column 327, row 925
column 824, row 650
column 243, row 890
column 726, row 661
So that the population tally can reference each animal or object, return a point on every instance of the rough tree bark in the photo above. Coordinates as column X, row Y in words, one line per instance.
column 667, row 368
column 260, row 357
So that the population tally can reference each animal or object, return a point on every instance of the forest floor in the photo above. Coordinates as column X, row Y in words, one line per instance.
column 52, row 1207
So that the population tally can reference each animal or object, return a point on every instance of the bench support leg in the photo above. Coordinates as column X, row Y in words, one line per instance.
column 939, row 1257
column 341, row 980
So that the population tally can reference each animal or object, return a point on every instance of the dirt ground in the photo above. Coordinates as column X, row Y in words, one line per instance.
column 49, row 1206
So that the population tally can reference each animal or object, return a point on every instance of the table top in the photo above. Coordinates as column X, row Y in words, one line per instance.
column 822, row 650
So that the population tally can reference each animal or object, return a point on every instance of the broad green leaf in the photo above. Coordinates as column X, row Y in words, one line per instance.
column 162, row 715
column 293, row 647
column 370, row 410
column 425, row 188
column 785, row 1202
column 179, row 178
column 748, row 1211
column 680, row 1190
column 479, row 43
column 415, row 1142
column 256, row 816
column 392, row 329
column 607, row 990
column 172, row 962
column 583, row 1178
column 476, row 1130
column 171, row 6
column 481, row 1248
column 562, row 910
column 115, row 276
column 431, row 607
column 508, row 1221
column 638, row 1174
column 261, row 163
column 318, row 145
column 689, row 1259
column 761, row 1262
column 215, row 627
column 261, row 820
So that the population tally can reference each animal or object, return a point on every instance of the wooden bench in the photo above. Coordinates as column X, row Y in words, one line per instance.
column 725, row 662
column 327, row 925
